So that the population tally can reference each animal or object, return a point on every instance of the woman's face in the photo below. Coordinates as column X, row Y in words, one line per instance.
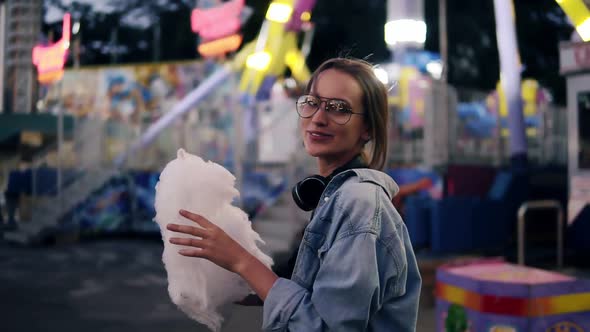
column 332, row 143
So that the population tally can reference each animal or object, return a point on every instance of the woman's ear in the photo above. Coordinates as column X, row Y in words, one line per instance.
column 366, row 136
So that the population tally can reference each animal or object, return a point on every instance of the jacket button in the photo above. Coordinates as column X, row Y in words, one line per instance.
column 326, row 198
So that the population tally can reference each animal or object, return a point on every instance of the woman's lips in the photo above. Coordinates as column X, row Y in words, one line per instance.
column 317, row 136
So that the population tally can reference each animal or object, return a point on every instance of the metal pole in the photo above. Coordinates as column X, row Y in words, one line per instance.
column 60, row 138
column 239, row 143
column 76, row 36
column 77, row 52
column 157, row 38
column 444, row 54
column 114, row 45
column 443, row 38
column 2, row 48
column 34, row 166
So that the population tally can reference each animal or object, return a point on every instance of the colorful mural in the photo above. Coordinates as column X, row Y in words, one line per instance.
column 128, row 93
column 130, row 98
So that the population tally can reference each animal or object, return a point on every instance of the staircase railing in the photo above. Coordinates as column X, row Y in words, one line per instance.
column 84, row 172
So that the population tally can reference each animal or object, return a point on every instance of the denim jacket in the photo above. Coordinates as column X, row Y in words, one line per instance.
column 355, row 269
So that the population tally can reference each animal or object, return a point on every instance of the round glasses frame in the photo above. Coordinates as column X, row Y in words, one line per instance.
column 334, row 108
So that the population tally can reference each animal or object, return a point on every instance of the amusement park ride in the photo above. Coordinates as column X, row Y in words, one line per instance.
column 258, row 64
column 261, row 61
column 276, row 48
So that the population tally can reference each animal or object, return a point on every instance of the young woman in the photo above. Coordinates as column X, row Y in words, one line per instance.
column 355, row 268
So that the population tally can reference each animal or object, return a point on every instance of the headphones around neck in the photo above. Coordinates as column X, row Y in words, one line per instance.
column 307, row 192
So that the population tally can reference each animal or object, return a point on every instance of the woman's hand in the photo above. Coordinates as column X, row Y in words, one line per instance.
column 212, row 243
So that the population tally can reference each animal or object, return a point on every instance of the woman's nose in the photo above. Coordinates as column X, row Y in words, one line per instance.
column 320, row 116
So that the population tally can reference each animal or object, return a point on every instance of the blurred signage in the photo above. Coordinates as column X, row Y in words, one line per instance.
column 574, row 57
column 220, row 46
column 50, row 60
column 49, row 64
column 218, row 27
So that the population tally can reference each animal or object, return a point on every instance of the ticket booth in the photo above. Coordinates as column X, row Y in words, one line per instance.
column 575, row 66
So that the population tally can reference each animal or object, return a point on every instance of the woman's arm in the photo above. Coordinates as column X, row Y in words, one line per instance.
column 213, row 244
column 257, row 275
column 348, row 287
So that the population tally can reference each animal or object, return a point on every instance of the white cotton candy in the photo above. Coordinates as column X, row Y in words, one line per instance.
column 198, row 287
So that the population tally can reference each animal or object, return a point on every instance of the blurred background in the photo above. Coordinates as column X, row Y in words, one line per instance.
column 489, row 140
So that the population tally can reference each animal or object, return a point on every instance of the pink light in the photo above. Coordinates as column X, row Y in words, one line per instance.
column 66, row 27
column 229, row 26
column 50, row 60
column 217, row 22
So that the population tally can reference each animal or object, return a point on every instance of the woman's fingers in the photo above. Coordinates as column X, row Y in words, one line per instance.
column 198, row 243
column 190, row 230
column 211, row 242
column 192, row 253
column 197, row 218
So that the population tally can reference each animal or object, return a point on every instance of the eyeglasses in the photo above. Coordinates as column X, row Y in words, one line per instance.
column 337, row 110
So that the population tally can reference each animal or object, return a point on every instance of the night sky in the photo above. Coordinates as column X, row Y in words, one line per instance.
column 342, row 27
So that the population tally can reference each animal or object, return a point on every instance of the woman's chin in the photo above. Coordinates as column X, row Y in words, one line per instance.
column 316, row 150
column 317, row 153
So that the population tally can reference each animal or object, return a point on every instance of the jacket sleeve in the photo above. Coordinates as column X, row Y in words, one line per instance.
column 345, row 291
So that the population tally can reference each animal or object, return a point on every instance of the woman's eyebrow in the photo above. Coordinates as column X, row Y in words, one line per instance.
column 337, row 99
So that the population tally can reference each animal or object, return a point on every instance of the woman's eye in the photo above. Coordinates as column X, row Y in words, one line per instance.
column 337, row 107
column 332, row 107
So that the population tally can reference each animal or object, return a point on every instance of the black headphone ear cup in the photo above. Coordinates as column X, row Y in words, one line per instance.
column 308, row 191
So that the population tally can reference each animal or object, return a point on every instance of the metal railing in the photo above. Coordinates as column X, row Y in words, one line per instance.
column 536, row 205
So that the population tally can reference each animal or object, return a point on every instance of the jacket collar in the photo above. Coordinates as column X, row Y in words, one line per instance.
column 369, row 175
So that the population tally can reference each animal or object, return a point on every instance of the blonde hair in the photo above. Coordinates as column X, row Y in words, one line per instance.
column 376, row 114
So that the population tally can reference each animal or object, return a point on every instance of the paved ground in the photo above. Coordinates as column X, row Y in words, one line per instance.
column 104, row 285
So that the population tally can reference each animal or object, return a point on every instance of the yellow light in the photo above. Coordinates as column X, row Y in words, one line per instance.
column 305, row 16
column 279, row 12
column 258, row 61
column 291, row 57
column 584, row 30
column 50, row 77
column 579, row 14
column 293, row 60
